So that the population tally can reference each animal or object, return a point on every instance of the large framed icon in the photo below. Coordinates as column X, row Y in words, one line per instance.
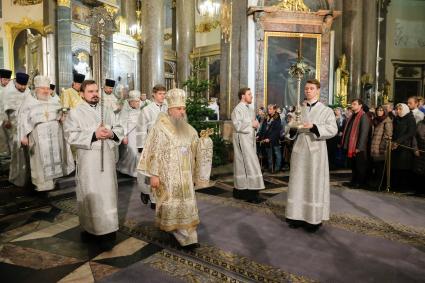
column 280, row 52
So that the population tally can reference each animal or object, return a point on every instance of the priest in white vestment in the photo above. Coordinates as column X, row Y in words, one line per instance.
column 13, row 97
column 308, row 192
column 109, row 99
column 169, row 158
column 248, row 178
column 96, row 190
column 40, row 129
column 5, row 76
column 146, row 120
column 129, row 156
column 53, row 94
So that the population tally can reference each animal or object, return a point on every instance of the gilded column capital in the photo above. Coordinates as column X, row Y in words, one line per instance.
column 64, row 3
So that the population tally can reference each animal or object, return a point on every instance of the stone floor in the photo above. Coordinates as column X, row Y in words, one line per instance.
column 371, row 237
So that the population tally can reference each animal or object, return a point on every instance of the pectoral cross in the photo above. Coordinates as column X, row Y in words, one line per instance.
column 46, row 114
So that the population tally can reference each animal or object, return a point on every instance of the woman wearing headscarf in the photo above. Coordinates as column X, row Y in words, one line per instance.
column 404, row 130
column 382, row 132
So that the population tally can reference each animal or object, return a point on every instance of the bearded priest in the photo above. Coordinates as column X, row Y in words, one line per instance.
column 169, row 159
column 96, row 186
column 40, row 129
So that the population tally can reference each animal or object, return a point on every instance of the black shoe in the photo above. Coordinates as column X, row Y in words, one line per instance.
column 191, row 247
column 144, row 198
column 312, row 228
column 237, row 194
column 87, row 237
column 294, row 224
column 106, row 245
column 107, row 241
column 153, row 206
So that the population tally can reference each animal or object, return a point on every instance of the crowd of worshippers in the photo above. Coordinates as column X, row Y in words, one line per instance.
column 362, row 142
column 89, row 130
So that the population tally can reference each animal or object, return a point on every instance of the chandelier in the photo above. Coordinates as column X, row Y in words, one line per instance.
column 208, row 8
column 136, row 29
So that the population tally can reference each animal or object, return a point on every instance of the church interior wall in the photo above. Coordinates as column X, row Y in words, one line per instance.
column 405, row 34
column 210, row 34
column 14, row 13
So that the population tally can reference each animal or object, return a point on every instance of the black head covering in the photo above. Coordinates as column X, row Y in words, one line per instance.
column 22, row 78
column 109, row 82
column 52, row 86
column 79, row 78
column 5, row 74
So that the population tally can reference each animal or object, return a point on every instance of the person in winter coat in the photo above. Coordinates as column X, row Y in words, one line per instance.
column 271, row 139
column 382, row 132
column 404, row 130
column 419, row 145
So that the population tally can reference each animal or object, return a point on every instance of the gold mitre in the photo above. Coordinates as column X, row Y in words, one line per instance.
column 176, row 98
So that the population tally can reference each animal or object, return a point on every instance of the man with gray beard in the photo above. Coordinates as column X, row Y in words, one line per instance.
column 169, row 158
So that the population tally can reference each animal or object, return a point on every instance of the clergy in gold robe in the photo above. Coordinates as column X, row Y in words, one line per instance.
column 169, row 158
column 41, row 131
column 96, row 189
column 248, row 179
column 71, row 98
column 13, row 96
column 308, row 192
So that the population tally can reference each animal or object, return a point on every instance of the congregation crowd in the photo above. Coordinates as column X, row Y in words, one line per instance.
column 362, row 142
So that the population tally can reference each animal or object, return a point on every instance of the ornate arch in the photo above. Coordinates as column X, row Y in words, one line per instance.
column 12, row 30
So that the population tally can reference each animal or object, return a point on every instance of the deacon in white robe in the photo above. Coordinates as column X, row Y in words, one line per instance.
column 13, row 97
column 170, row 157
column 146, row 120
column 5, row 76
column 129, row 156
column 109, row 99
column 248, row 178
column 41, row 131
column 55, row 97
column 96, row 190
column 308, row 193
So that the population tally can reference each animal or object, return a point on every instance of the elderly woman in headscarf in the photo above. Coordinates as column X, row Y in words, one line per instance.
column 382, row 132
column 404, row 130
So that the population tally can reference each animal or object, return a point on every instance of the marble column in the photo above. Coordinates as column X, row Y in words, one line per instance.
column 383, row 41
column 185, row 37
column 108, row 58
column 369, row 38
column 152, row 64
column 352, row 44
column 49, row 21
column 337, row 27
column 234, row 60
column 64, row 51
column 128, row 11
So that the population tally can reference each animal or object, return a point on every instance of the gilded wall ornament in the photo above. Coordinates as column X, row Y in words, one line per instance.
column 64, row 3
column 207, row 26
column 26, row 2
column 293, row 5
